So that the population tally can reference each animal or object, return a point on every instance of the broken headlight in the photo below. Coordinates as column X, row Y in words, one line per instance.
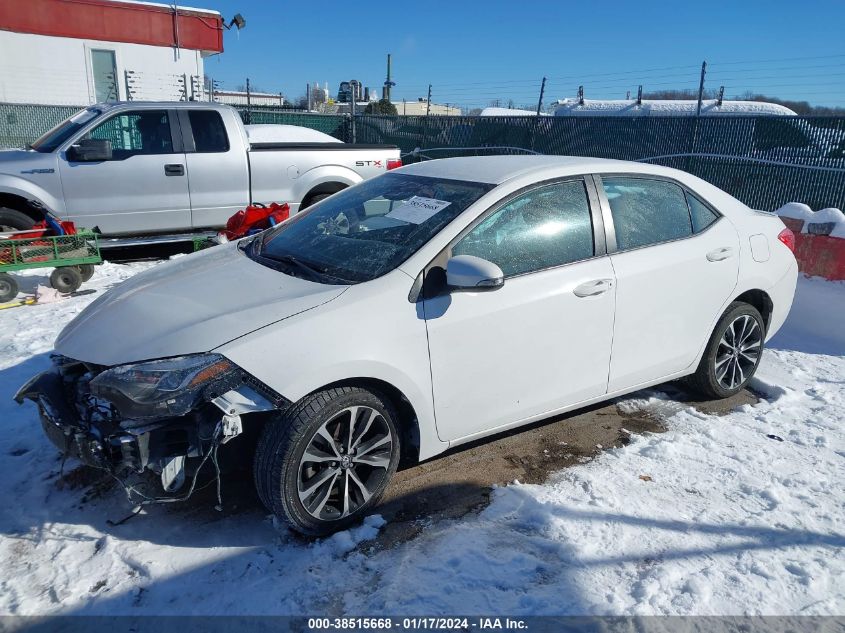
column 165, row 388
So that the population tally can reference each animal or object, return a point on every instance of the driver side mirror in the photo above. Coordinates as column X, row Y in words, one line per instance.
column 90, row 150
column 469, row 272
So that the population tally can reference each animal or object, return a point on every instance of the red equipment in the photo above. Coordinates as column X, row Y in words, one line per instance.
column 255, row 218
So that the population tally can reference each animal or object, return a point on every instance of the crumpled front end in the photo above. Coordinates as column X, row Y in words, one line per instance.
column 149, row 416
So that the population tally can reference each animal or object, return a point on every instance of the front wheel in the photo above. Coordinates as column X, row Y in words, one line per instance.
column 733, row 353
column 323, row 465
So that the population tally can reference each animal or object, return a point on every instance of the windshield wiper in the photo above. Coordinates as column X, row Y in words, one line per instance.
column 290, row 260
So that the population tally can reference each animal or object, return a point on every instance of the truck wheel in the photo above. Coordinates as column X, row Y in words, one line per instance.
column 327, row 461
column 13, row 220
column 314, row 200
column 8, row 287
column 86, row 271
column 66, row 279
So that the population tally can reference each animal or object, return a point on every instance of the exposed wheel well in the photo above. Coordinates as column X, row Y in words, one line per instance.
column 323, row 188
column 760, row 300
column 19, row 203
column 407, row 423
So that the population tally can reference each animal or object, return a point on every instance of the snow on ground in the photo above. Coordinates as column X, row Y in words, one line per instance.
column 740, row 514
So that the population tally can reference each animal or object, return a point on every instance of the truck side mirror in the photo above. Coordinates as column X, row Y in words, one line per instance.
column 89, row 150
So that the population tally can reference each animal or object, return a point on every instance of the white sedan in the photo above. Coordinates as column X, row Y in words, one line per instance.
column 439, row 303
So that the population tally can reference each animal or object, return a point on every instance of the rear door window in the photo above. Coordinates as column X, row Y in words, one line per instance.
column 646, row 211
column 209, row 131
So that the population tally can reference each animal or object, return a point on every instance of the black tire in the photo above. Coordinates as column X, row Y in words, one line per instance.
column 14, row 220
column 8, row 287
column 86, row 271
column 66, row 279
column 723, row 350
column 312, row 200
column 279, row 463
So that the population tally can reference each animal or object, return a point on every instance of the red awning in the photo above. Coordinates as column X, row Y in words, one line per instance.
column 111, row 21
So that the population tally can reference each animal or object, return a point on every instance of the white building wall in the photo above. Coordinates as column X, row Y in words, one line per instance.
column 42, row 69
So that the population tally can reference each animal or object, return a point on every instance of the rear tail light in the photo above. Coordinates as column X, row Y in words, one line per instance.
column 787, row 237
column 393, row 163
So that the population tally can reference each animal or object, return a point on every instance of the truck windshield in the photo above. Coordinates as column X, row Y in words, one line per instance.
column 365, row 231
column 49, row 141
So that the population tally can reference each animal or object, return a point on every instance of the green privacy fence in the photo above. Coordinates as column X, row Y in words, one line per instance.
column 765, row 161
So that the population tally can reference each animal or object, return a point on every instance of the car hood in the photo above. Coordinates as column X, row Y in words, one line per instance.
column 189, row 305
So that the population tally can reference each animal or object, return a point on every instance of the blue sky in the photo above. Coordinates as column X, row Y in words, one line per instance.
column 474, row 52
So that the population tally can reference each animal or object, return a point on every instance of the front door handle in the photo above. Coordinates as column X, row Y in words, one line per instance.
column 593, row 288
column 174, row 170
column 720, row 254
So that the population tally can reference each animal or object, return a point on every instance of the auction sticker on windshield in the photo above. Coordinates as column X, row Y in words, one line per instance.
column 417, row 210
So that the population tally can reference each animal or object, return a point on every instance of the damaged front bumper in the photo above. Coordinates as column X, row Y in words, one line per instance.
column 93, row 430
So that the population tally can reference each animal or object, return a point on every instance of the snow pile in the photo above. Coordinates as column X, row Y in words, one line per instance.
column 491, row 111
column 740, row 514
column 666, row 107
column 800, row 211
column 277, row 133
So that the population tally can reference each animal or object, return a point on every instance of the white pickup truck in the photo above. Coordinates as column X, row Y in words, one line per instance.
column 163, row 168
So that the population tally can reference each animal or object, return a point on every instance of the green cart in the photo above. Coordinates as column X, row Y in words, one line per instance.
column 72, row 256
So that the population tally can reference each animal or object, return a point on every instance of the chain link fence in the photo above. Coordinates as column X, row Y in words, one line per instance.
column 765, row 161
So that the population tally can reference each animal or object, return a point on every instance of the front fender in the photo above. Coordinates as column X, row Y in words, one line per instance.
column 48, row 193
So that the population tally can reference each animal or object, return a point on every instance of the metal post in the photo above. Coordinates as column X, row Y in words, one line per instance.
column 533, row 135
column 640, row 95
column 428, row 102
column 721, row 96
column 701, row 88
column 540, row 102
column 126, row 83
column 352, row 105
column 248, row 104
column 580, row 95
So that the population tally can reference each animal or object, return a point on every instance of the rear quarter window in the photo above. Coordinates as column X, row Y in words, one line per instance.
column 209, row 131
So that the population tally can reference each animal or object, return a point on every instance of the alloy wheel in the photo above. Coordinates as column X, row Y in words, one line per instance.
column 738, row 352
column 345, row 463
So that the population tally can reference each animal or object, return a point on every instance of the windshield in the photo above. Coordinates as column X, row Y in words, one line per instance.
column 49, row 141
column 367, row 230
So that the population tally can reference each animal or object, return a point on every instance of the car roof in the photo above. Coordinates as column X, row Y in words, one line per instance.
column 496, row 170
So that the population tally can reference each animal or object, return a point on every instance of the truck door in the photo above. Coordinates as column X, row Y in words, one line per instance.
column 218, row 175
column 143, row 188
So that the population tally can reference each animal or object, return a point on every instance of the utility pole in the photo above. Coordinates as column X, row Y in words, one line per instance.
column 542, row 91
column 701, row 88
column 428, row 102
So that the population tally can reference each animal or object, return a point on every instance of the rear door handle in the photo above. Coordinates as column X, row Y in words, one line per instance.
column 174, row 170
column 593, row 288
column 720, row 253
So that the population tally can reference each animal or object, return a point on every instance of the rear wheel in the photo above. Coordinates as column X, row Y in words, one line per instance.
column 732, row 354
column 326, row 463
column 86, row 271
column 8, row 287
column 313, row 200
column 14, row 220
column 66, row 279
